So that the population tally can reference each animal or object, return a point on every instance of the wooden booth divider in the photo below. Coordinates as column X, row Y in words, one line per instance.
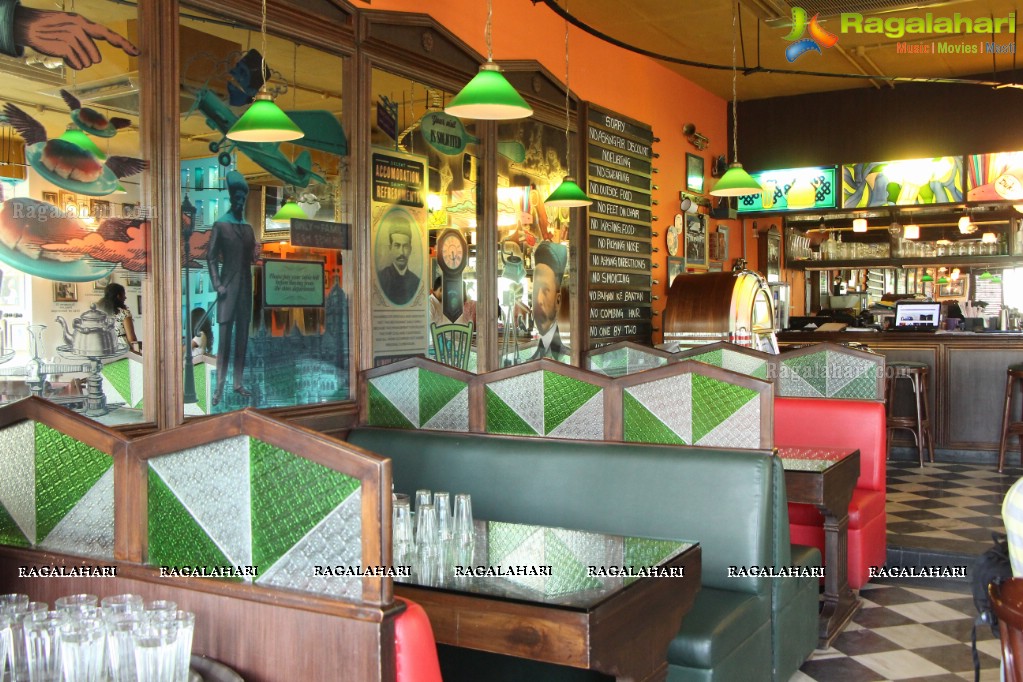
column 259, row 527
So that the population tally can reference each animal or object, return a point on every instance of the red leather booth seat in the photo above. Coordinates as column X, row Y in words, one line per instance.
column 415, row 650
column 825, row 422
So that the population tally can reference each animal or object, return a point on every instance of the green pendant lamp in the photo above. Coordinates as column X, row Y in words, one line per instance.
column 76, row 137
column 736, row 182
column 289, row 210
column 927, row 277
column 489, row 96
column 264, row 121
column 986, row 276
column 943, row 280
column 568, row 194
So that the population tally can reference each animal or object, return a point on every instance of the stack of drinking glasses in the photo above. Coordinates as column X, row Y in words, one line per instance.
column 84, row 640
column 442, row 538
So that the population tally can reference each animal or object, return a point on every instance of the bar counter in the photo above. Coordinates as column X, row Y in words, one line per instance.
column 966, row 384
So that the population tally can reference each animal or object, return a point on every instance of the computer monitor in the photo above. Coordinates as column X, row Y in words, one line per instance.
column 917, row 315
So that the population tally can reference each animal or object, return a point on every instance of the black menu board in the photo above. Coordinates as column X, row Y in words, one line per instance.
column 618, row 231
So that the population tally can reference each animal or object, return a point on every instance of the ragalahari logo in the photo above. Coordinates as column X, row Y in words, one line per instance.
column 818, row 36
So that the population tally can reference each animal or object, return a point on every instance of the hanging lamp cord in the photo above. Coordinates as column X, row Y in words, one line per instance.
column 262, row 46
column 568, row 146
column 735, row 117
column 486, row 33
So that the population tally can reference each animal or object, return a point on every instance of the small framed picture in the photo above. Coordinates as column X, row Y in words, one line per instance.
column 130, row 211
column 696, row 240
column 51, row 198
column 133, row 282
column 676, row 266
column 694, row 173
column 101, row 283
column 956, row 288
column 68, row 204
column 65, row 292
column 99, row 209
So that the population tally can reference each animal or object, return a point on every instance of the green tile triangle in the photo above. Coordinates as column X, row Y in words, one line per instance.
column 119, row 375
column 642, row 426
column 562, row 396
column 641, row 552
column 505, row 538
column 503, row 419
column 760, row 372
column 383, row 413
column 812, row 370
column 862, row 387
column 715, row 357
column 568, row 572
column 715, row 401
column 175, row 537
column 65, row 470
column 290, row 495
column 202, row 399
column 436, row 391
column 10, row 534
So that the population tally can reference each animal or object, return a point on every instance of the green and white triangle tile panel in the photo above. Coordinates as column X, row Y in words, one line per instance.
column 117, row 382
column 744, row 364
column 515, row 405
column 660, row 411
column 65, row 470
column 290, row 497
column 88, row 528
column 394, row 399
column 334, row 542
column 714, row 406
column 714, row 357
column 852, row 377
column 443, row 402
column 741, row 429
column 211, row 483
column 18, row 484
column 803, row 377
column 175, row 537
column 569, row 555
column 519, row 546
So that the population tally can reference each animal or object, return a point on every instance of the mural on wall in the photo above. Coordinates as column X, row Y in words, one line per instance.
column 995, row 177
column 903, row 183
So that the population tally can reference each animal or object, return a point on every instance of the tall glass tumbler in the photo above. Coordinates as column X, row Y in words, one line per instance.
column 423, row 496
column 185, row 622
column 156, row 650
column 442, row 501
column 42, row 647
column 82, row 649
column 10, row 602
column 463, row 530
column 401, row 533
column 74, row 605
column 5, row 638
column 426, row 526
column 17, row 657
column 121, row 630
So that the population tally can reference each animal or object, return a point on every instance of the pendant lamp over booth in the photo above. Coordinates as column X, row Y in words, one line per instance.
column 264, row 121
column 568, row 194
column 489, row 96
column 290, row 209
column 736, row 182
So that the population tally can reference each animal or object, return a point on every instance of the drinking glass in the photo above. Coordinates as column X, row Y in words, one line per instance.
column 401, row 532
column 82, row 644
column 42, row 645
column 5, row 638
column 185, row 622
column 423, row 496
column 442, row 501
column 9, row 602
column 462, row 526
column 17, row 656
column 426, row 526
column 155, row 649
column 121, row 629
column 121, row 603
column 74, row 605
column 161, row 609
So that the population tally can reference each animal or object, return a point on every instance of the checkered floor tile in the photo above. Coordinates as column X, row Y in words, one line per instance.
column 907, row 633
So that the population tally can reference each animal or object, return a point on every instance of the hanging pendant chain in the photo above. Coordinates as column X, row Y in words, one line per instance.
column 262, row 49
column 490, row 17
column 568, row 146
column 735, row 117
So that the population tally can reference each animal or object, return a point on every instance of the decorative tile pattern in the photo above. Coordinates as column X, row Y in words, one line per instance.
column 586, row 423
column 383, row 413
column 640, row 425
column 668, row 400
column 65, row 470
column 117, row 381
column 523, row 395
column 88, row 529
column 740, row 429
column 436, row 393
column 175, row 537
column 334, row 542
column 501, row 418
column 562, row 396
column 290, row 496
column 714, row 401
column 830, row 374
column 18, row 484
column 398, row 392
column 623, row 361
column 744, row 364
column 212, row 482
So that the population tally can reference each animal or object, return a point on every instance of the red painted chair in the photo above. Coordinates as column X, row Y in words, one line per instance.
column 415, row 650
column 827, row 422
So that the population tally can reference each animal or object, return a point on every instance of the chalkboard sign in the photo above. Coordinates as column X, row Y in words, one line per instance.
column 619, row 153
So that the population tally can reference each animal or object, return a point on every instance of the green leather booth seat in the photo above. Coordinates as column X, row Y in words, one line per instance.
column 732, row 502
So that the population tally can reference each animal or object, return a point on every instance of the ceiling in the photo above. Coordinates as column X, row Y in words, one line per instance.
column 702, row 32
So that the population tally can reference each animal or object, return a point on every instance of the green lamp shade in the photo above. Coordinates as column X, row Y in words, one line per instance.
column 264, row 121
column 926, row 278
column 943, row 280
column 489, row 97
column 996, row 279
column 986, row 276
column 568, row 195
column 80, row 139
column 736, row 182
column 289, row 210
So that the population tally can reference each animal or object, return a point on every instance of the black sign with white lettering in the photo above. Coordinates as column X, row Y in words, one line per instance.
column 320, row 234
column 619, row 223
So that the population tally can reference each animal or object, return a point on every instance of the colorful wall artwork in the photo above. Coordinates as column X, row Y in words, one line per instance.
column 903, row 183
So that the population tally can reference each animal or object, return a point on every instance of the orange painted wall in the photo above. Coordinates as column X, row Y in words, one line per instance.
column 609, row 76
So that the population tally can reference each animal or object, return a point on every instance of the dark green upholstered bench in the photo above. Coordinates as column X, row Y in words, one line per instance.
column 733, row 502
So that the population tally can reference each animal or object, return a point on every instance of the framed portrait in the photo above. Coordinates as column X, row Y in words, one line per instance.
column 130, row 211
column 676, row 266
column 51, row 198
column 956, row 288
column 399, row 256
column 694, row 173
column 101, row 283
column 68, row 203
column 696, row 241
column 722, row 239
column 133, row 282
column 99, row 209
column 65, row 292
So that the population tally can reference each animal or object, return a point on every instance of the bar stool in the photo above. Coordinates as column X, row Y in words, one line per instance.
column 920, row 423
column 1010, row 428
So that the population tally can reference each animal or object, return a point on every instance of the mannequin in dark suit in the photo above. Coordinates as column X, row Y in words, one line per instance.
column 233, row 243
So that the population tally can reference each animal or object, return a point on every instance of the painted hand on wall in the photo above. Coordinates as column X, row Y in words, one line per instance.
column 65, row 35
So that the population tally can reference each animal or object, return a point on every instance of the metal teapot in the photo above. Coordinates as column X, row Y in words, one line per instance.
column 94, row 334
